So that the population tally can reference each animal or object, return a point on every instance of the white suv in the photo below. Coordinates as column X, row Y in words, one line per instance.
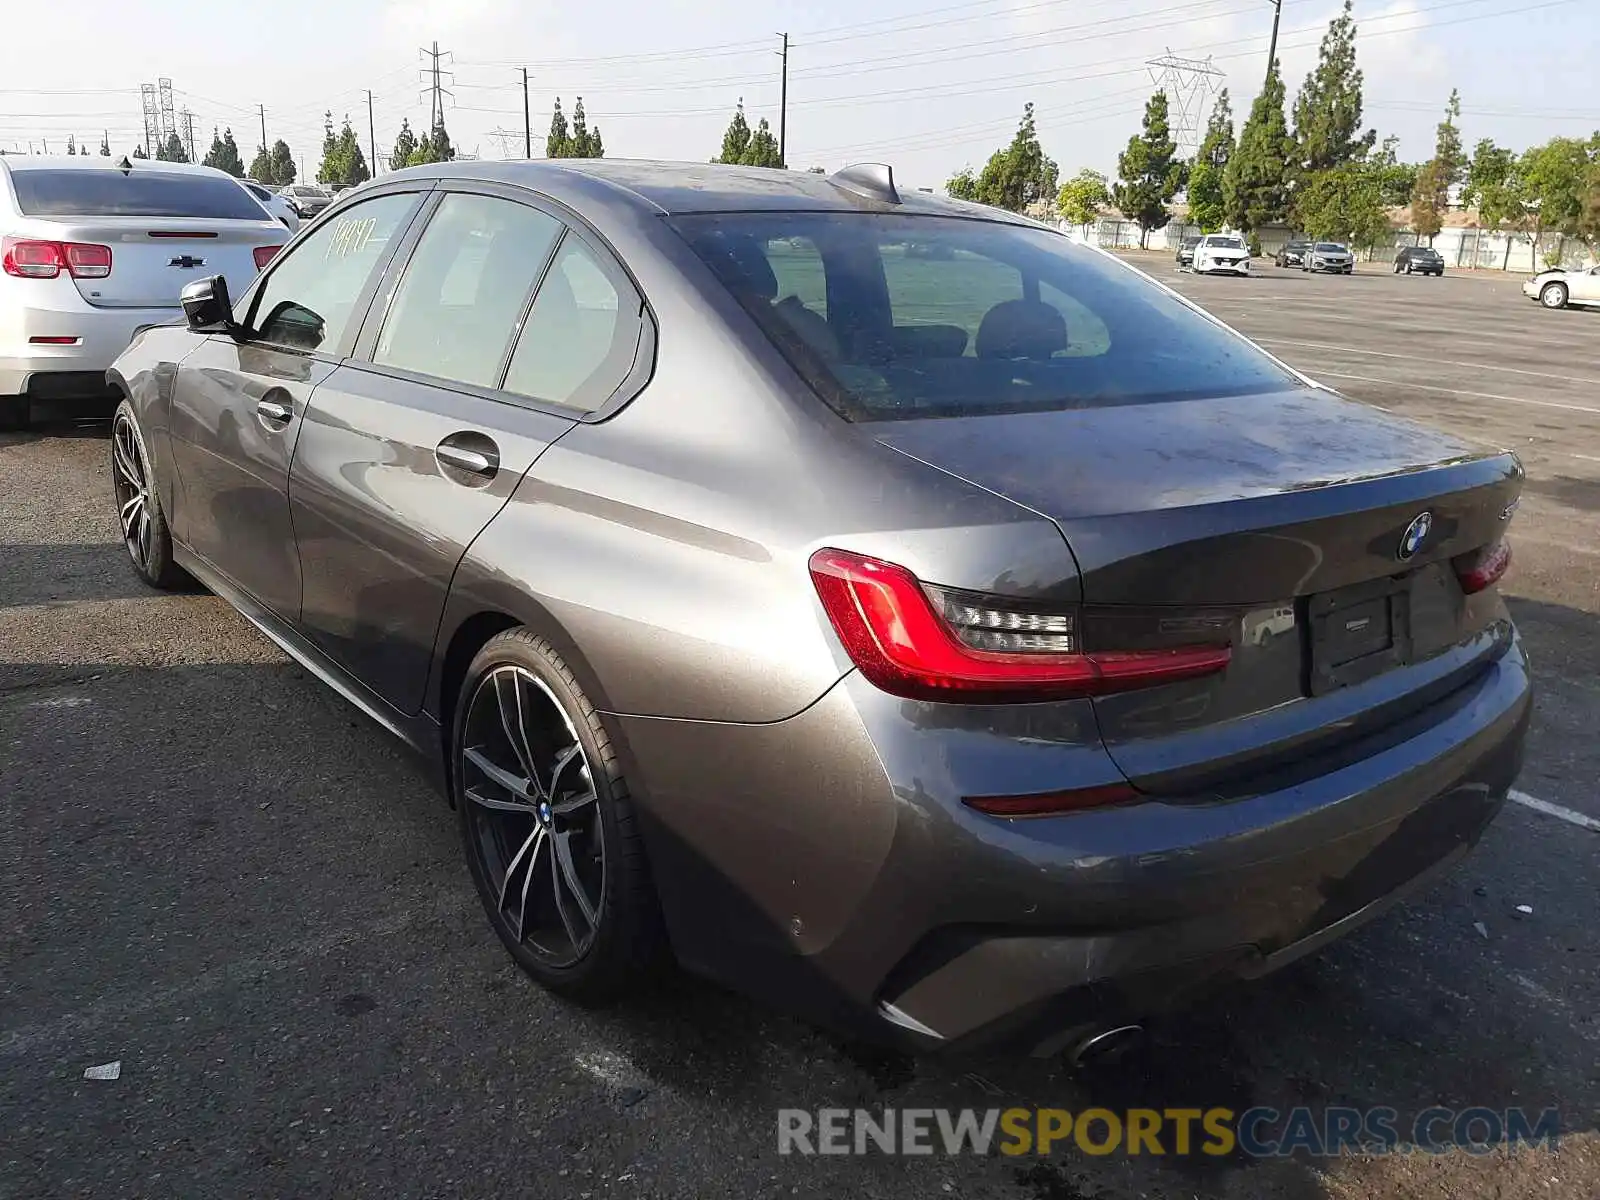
column 94, row 249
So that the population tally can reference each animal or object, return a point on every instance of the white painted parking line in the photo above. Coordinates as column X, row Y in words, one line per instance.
column 1586, row 457
column 1433, row 387
column 1561, row 813
column 1477, row 366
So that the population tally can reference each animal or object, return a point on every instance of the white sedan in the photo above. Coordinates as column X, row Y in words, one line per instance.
column 275, row 204
column 1559, row 287
column 1222, row 252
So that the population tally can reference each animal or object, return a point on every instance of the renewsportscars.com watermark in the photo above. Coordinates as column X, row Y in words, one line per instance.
column 1218, row 1132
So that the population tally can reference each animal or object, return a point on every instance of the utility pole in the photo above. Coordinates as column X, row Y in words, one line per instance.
column 437, row 90
column 527, row 121
column 1272, row 51
column 783, row 105
column 372, row 136
column 262, row 109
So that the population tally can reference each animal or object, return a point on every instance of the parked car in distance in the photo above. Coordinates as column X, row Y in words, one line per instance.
column 93, row 249
column 1225, row 252
column 1329, row 257
column 306, row 199
column 1186, row 251
column 992, row 680
column 1293, row 254
column 275, row 204
column 1560, row 287
column 1419, row 260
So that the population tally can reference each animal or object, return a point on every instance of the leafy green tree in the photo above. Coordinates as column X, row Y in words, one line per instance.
column 1082, row 197
column 1150, row 171
column 105, row 145
column 558, row 144
column 763, row 148
column 352, row 162
column 1430, row 198
column 72, row 145
column 1556, row 178
column 963, row 185
column 172, row 150
column 1021, row 174
column 224, row 154
column 1497, row 189
column 332, row 168
column 1396, row 179
column 1344, row 204
column 736, row 138
column 585, row 141
column 1255, row 184
column 439, row 143
column 138, row 152
column 405, row 145
column 1328, row 110
column 261, row 166
column 1207, row 204
column 283, row 168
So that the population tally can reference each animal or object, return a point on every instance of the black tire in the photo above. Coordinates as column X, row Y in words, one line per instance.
column 1399, row 267
column 628, row 941
column 16, row 413
column 145, row 534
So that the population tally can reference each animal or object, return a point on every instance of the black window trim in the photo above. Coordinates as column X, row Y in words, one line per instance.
column 359, row 355
column 420, row 189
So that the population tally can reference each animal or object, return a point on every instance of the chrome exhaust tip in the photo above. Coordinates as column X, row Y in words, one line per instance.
column 1106, row 1046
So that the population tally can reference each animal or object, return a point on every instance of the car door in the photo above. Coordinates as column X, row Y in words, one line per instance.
column 1586, row 287
column 238, row 402
column 413, row 446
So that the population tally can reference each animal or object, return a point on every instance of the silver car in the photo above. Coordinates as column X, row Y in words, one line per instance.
column 1330, row 257
column 94, row 249
column 307, row 199
column 275, row 204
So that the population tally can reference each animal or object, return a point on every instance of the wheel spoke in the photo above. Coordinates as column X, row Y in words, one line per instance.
column 569, row 873
column 500, row 777
column 574, row 751
column 527, row 882
column 532, row 843
column 126, row 457
column 516, row 732
column 561, row 906
column 144, row 533
column 130, row 514
column 572, row 804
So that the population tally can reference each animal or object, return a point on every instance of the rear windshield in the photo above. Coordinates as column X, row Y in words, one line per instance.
column 894, row 316
column 96, row 192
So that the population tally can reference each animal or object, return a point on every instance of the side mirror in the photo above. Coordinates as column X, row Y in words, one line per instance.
column 206, row 305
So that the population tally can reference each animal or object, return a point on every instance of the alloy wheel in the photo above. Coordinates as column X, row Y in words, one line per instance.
column 130, row 479
column 534, row 815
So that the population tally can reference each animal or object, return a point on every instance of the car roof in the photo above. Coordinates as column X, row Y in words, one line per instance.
column 680, row 187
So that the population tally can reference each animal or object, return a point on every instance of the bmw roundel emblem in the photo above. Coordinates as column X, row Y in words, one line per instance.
column 1416, row 533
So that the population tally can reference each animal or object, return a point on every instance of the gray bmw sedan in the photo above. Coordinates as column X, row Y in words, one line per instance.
column 876, row 602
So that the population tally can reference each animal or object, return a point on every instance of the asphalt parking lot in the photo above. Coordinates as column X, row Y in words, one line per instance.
column 216, row 873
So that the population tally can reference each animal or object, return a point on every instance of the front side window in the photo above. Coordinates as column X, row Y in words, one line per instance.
column 940, row 316
column 309, row 300
column 582, row 334
column 465, row 289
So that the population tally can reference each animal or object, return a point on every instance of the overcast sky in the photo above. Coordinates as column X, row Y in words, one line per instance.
column 928, row 88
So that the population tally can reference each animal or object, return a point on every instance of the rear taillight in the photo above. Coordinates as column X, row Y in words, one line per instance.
column 1052, row 804
column 928, row 643
column 28, row 258
column 1485, row 568
column 264, row 255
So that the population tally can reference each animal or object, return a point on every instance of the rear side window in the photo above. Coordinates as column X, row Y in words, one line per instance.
column 465, row 289
column 309, row 299
column 107, row 192
column 582, row 334
column 941, row 316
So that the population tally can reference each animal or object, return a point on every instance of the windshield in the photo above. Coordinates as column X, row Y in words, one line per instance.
column 91, row 192
column 894, row 316
column 1229, row 243
column 1330, row 248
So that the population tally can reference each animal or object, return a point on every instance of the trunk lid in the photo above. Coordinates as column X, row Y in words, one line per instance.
column 1290, row 525
column 153, row 258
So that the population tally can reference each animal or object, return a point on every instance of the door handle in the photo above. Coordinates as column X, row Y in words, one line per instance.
column 273, row 411
column 477, row 462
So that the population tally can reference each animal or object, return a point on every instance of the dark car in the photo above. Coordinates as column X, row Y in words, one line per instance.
column 988, row 649
column 1294, row 254
column 306, row 199
column 1419, row 260
column 1186, row 251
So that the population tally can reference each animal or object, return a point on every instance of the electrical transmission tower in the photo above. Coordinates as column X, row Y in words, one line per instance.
column 169, row 123
column 1190, row 85
column 510, row 141
column 152, row 118
column 437, row 90
column 188, row 132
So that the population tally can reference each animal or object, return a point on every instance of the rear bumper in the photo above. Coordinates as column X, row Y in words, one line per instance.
column 834, row 869
column 100, row 334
